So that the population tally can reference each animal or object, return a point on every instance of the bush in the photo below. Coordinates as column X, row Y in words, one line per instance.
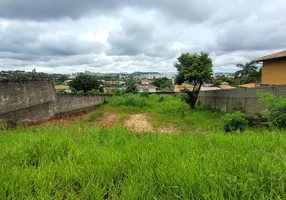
column 117, row 92
column 80, row 92
column 276, row 114
column 95, row 116
column 235, row 121
column 144, row 94
column 93, row 91
column 257, row 120
column 162, row 104
column 129, row 100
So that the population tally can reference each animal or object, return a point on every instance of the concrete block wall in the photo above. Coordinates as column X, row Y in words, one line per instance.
column 239, row 99
column 16, row 95
column 78, row 102
column 38, row 100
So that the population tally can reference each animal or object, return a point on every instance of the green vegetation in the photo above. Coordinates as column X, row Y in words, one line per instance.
column 248, row 73
column 84, row 160
column 276, row 115
column 131, row 86
column 195, row 69
column 235, row 121
column 163, row 84
column 85, row 83
column 165, row 110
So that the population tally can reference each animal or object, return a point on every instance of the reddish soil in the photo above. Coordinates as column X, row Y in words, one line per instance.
column 110, row 119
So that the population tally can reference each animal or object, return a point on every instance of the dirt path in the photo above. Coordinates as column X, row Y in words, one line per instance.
column 110, row 119
column 140, row 123
column 135, row 122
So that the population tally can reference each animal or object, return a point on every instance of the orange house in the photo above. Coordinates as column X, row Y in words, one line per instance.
column 274, row 69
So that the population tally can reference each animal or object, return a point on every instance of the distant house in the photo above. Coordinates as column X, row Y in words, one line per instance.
column 184, row 86
column 147, row 88
column 108, row 83
column 225, row 86
column 274, row 68
column 248, row 85
column 67, row 82
column 62, row 88
column 71, row 76
column 145, row 82
column 209, row 88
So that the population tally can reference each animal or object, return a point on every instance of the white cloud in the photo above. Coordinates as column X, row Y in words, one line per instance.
column 127, row 36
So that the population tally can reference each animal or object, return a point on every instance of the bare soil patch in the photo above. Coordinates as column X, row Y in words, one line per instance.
column 138, row 123
column 141, row 123
column 110, row 119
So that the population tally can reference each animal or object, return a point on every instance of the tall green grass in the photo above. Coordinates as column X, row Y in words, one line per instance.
column 79, row 162
column 167, row 109
column 84, row 162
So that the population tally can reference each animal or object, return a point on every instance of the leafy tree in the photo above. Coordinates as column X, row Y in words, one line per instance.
column 232, row 81
column 255, row 76
column 194, row 69
column 246, row 69
column 85, row 83
column 162, row 83
column 63, row 78
column 131, row 86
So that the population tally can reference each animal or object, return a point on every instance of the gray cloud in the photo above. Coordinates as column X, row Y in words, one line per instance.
column 52, row 9
column 135, row 35
column 33, row 42
column 141, row 37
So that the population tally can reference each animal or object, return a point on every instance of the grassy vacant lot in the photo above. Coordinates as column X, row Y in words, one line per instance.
column 83, row 160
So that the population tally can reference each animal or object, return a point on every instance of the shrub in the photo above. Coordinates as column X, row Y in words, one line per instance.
column 129, row 100
column 257, row 120
column 276, row 113
column 144, row 94
column 95, row 116
column 93, row 91
column 80, row 92
column 116, row 92
column 161, row 99
column 235, row 121
column 182, row 96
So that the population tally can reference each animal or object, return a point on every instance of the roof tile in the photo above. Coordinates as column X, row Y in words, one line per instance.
column 271, row 56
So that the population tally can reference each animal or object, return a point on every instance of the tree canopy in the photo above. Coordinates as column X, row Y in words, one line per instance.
column 245, row 69
column 85, row 83
column 194, row 69
column 131, row 86
column 248, row 72
column 162, row 83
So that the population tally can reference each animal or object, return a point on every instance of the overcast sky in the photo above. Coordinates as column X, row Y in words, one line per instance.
column 67, row 36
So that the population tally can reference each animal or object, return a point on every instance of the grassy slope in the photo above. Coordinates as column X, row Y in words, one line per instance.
column 80, row 162
column 165, row 110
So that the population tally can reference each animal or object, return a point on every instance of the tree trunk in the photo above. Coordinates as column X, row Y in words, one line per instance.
column 193, row 96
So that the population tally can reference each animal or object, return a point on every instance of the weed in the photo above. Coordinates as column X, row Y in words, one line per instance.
column 96, row 115
column 276, row 114
column 46, row 163
column 235, row 121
